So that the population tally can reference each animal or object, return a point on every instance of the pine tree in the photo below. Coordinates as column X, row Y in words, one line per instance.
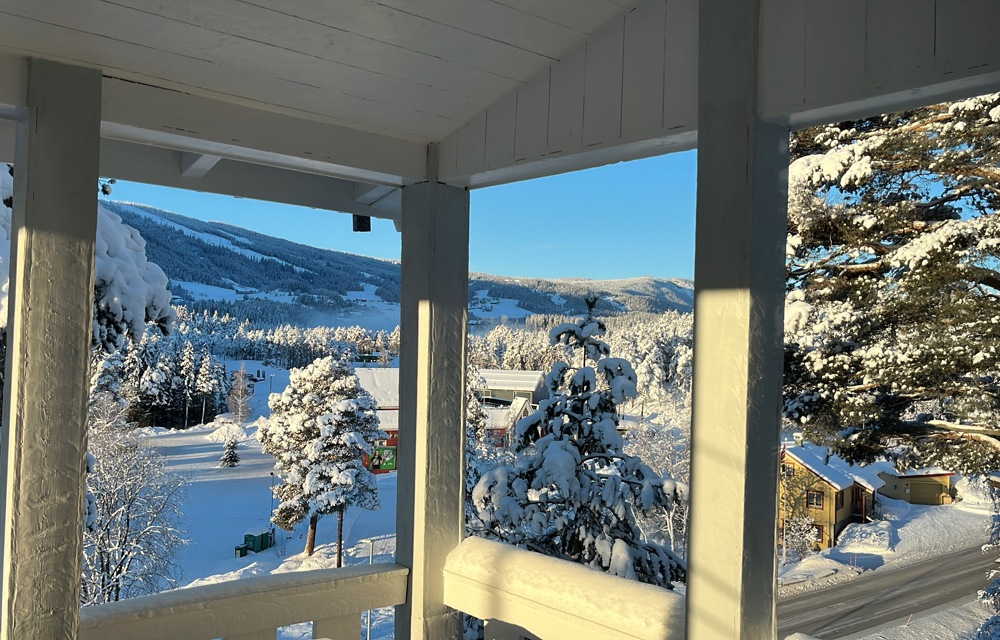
column 320, row 429
column 230, row 457
column 239, row 395
column 187, row 375
column 891, row 316
column 206, row 384
column 573, row 493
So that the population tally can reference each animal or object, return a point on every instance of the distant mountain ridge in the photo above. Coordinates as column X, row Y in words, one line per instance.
column 217, row 261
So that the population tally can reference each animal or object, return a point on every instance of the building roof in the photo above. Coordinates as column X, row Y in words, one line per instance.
column 815, row 463
column 911, row 473
column 512, row 380
column 382, row 383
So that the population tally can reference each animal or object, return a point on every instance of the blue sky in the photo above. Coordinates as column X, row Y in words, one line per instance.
column 623, row 220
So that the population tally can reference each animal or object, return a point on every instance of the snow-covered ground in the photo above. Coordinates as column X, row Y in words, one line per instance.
column 908, row 533
column 225, row 503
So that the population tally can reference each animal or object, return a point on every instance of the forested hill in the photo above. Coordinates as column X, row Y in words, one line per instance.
column 212, row 261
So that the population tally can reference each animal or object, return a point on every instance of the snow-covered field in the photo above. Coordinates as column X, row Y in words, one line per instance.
column 225, row 503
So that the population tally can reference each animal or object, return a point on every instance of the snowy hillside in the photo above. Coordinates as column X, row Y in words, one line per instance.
column 212, row 261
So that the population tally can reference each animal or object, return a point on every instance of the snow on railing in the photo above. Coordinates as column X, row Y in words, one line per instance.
column 252, row 608
column 551, row 598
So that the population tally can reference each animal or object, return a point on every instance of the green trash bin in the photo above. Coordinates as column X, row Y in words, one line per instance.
column 241, row 551
column 265, row 540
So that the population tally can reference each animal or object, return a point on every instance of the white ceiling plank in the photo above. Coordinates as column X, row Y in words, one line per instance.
column 565, row 128
column 532, row 122
column 196, row 165
column 602, row 99
column 680, row 101
column 114, row 29
column 501, row 131
column 782, row 48
column 584, row 16
column 382, row 117
column 642, row 72
column 267, row 26
column 833, row 73
column 152, row 165
column 472, row 143
column 414, row 33
column 896, row 32
column 496, row 22
column 150, row 115
column 963, row 43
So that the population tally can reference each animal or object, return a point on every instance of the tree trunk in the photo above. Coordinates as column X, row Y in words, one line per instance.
column 311, row 536
column 204, row 401
column 340, row 537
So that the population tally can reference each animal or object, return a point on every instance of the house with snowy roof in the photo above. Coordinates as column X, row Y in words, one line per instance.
column 508, row 384
column 397, row 110
column 931, row 485
column 500, row 421
column 826, row 489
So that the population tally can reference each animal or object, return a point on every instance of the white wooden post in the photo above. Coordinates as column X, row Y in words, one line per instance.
column 44, row 436
column 429, row 511
column 739, row 294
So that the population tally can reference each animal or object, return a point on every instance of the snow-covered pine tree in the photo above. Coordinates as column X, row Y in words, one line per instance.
column 239, row 395
column 230, row 457
column 187, row 374
column 891, row 318
column 321, row 427
column 573, row 492
column 206, row 384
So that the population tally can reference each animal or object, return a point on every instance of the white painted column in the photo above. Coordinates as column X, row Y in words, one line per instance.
column 48, row 347
column 739, row 294
column 429, row 511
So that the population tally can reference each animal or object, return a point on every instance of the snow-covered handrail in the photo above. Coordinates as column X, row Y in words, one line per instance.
column 251, row 607
column 551, row 598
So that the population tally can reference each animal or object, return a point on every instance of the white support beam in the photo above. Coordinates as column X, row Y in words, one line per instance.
column 13, row 85
column 429, row 510
column 150, row 115
column 739, row 295
column 8, row 129
column 44, row 436
column 196, row 165
column 369, row 194
column 154, row 165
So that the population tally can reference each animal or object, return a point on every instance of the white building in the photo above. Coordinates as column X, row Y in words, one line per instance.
column 397, row 109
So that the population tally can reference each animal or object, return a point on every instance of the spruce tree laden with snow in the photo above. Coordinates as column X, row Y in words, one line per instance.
column 573, row 493
column 892, row 323
column 230, row 457
column 320, row 429
column 239, row 396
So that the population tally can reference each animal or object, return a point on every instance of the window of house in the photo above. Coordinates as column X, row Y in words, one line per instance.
column 840, row 500
column 814, row 499
column 787, row 469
